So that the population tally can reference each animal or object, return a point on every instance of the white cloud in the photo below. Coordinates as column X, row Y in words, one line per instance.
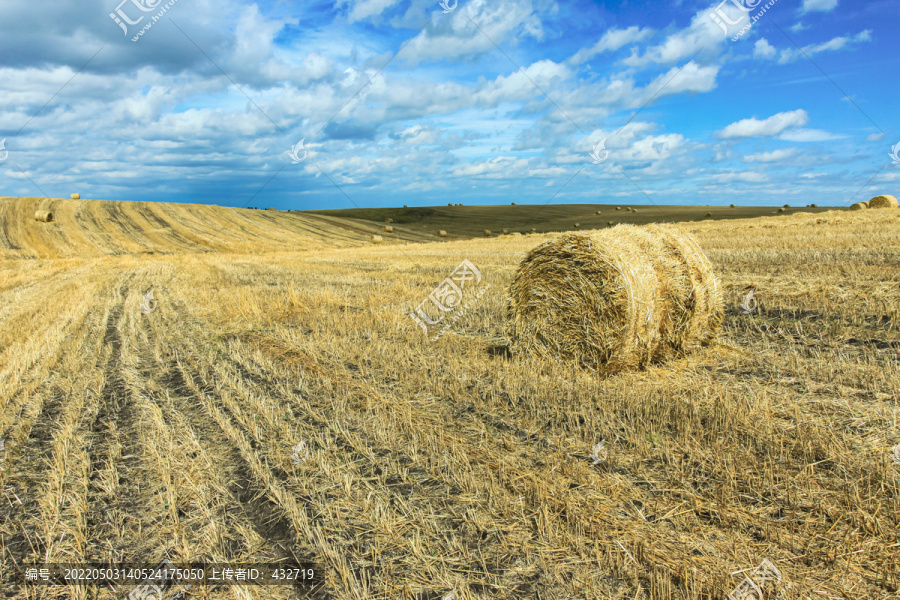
column 748, row 176
column 808, row 135
column 766, row 127
column 818, row 5
column 612, row 40
column 791, row 54
column 875, row 137
column 812, row 175
column 798, row 26
column 773, row 156
column 702, row 34
column 363, row 9
column 763, row 49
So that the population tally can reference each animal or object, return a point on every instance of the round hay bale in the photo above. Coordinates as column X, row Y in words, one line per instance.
column 487, row 233
column 504, row 231
column 512, row 203
column 404, row 206
column 814, row 206
column 708, row 215
column 577, row 224
column 377, row 239
column 780, row 211
column 44, row 216
column 442, row 233
column 271, row 208
column 865, row 203
column 76, row 196
column 589, row 297
column 533, row 230
column 858, row 206
column 787, row 206
column 449, row 204
column 618, row 208
column 610, row 223
column 633, row 210
column 388, row 229
column 629, row 209
column 597, row 213
column 883, row 201
column 389, row 220
column 731, row 206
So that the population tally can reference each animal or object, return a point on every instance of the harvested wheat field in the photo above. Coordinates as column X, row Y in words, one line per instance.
column 138, row 430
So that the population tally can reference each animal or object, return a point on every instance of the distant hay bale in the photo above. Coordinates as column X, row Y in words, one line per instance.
column 449, row 204
column 442, row 233
column 780, row 211
column 404, row 206
column 633, row 210
column 512, row 203
column 814, row 206
column 533, row 230
column 597, row 213
column 865, row 203
column 389, row 220
column 858, row 206
column 577, row 224
column 377, row 239
column 629, row 209
column 731, row 206
column 610, row 223
column 44, row 216
column 76, row 196
column 614, row 299
column 515, row 233
column 487, row 233
column 388, row 229
column 271, row 208
column 504, row 231
column 883, row 201
column 787, row 206
column 618, row 208
column 708, row 215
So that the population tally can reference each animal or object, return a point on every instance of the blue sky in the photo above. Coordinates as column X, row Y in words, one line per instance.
column 399, row 102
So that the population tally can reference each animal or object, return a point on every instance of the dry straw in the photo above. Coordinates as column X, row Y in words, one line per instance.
column 44, row 216
column 614, row 299
column 76, row 196
column 883, row 201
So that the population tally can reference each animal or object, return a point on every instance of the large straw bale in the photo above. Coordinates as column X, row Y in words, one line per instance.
column 44, row 216
column 614, row 299
column 883, row 201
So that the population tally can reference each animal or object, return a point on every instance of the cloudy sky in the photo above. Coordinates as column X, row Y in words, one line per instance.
column 481, row 102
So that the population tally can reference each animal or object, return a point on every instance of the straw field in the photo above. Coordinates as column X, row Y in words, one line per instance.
column 447, row 466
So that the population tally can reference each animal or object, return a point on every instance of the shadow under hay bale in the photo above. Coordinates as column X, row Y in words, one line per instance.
column 883, row 201
column 44, row 216
column 614, row 299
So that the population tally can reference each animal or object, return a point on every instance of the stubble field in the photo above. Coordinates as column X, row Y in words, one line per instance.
column 447, row 466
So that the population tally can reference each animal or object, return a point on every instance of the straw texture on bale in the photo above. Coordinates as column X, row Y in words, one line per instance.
column 388, row 229
column 44, row 216
column 614, row 299
column 377, row 239
column 858, row 206
column 76, row 196
column 883, row 201
column 865, row 203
